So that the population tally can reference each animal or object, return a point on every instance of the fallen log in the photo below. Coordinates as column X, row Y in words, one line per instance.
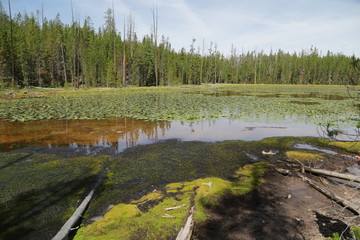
column 64, row 231
column 186, row 231
column 349, row 177
column 346, row 203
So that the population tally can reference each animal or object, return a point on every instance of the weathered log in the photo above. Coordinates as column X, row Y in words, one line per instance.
column 186, row 231
column 64, row 231
column 349, row 177
column 346, row 203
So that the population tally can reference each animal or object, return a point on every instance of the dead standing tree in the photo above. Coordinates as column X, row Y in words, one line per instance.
column 155, row 36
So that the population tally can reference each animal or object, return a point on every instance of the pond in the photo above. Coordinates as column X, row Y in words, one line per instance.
column 141, row 140
column 91, row 136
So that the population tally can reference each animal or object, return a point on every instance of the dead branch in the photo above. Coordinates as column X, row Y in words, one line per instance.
column 64, row 231
column 349, row 177
column 268, row 153
column 173, row 208
column 330, row 194
column 141, row 203
column 209, row 184
column 186, row 231
column 283, row 171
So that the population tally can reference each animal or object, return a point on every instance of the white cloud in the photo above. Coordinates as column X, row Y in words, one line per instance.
column 248, row 24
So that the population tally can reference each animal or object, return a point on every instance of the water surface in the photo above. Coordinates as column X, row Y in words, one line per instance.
column 119, row 134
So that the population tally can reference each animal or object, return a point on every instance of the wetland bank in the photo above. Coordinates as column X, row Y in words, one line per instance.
column 138, row 141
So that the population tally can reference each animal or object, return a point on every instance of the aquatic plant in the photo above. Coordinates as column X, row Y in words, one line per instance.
column 40, row 191
column 245, row 102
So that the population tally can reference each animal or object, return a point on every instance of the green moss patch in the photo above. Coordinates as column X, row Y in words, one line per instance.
column 349, row 146
column 127, row 221
column 303, row 156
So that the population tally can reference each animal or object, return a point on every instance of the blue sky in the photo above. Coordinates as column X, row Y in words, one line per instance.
column 290, row 25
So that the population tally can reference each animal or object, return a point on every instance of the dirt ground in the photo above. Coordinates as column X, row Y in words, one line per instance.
column 283, row 208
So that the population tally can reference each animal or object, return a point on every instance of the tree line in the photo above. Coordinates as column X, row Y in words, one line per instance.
column 35, row 51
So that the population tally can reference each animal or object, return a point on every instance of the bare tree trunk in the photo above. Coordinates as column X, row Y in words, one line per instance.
column 124, row 57
column 12, row 49
column 155, row 35
column 114, row 36
column 63, row 57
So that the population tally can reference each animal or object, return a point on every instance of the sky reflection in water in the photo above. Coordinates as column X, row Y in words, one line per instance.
column 119, row 134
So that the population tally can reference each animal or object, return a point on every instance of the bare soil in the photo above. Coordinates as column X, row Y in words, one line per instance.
column 283, row 208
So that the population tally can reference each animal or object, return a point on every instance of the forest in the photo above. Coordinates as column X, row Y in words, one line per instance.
column 35, row 51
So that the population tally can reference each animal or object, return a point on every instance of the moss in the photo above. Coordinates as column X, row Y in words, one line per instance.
column 151, row 196
column 250, row 178
column 303, row 156
column 125, row 221
column 356, row 232
column 349, row 146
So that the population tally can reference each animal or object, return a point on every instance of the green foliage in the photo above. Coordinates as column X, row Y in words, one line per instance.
column 356, row 232
column 51, row 53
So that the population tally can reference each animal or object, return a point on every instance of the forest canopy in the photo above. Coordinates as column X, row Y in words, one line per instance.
column 35, row 51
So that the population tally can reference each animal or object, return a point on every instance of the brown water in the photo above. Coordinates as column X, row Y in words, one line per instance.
column 119, row 134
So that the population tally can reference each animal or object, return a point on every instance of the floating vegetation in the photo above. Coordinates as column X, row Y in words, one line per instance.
column 236, row 102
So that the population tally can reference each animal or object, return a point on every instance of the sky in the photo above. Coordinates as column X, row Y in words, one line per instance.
column 247, row 25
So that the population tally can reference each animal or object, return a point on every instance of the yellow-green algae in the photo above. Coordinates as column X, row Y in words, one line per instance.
column 126, row 221
column 349, row 146
column 303, row 156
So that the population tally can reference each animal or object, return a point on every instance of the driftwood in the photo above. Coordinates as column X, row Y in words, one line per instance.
column 209, row 184
column 330, row 194
column 173, row 208
column 64, row 231
column 283, row 171
column 186, row 231
column 349, row 177
column 268, row 153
